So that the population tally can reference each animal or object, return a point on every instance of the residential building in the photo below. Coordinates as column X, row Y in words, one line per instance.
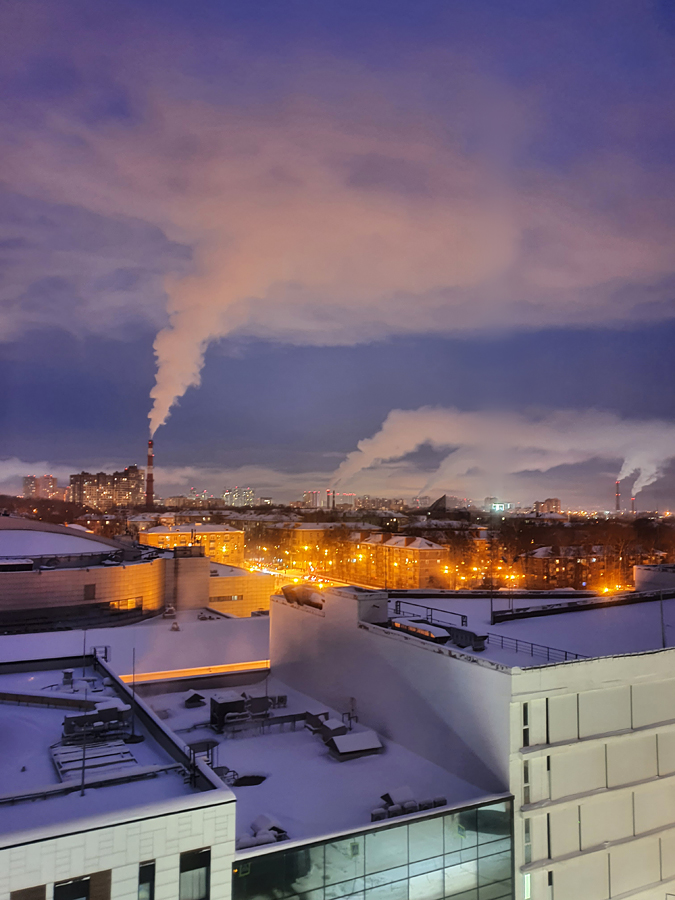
column 239, row 496
column 31, row 486
column 220, row 542
column 103, row 490
column 392, row 561
column 550, row 505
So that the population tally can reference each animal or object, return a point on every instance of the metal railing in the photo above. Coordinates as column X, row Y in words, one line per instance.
column 551, row 654
column 435, row 617
column 429, row 613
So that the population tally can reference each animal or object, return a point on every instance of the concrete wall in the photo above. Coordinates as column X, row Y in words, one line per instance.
column 187, row 582
column 654, row 578
column 601, row 769
column 416, row 693
column 155, row 835
column 46, row 588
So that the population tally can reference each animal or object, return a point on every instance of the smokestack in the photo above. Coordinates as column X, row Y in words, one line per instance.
column 617, row 497
column 150, row 483
column 333, row 499
column 632, row 505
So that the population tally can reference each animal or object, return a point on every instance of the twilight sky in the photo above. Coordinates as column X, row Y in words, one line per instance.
column 392, row 247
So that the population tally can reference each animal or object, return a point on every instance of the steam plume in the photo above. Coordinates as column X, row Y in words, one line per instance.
column 487, row 448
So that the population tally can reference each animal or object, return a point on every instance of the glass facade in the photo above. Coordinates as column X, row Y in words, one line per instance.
column 464, row 855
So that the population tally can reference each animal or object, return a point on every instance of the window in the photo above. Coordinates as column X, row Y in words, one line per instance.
column 528, row 841
column 89, row 592
column 527, row 887
column 146, row 881
column 77, row 889
column 526, row 724
column 195, row 870
column 526, row 782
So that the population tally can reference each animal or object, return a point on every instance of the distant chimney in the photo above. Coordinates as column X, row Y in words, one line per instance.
column 150, row 483
column 632, row 505
column 617, row 498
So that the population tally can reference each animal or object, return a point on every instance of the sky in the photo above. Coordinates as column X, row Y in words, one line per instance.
column 391, row 248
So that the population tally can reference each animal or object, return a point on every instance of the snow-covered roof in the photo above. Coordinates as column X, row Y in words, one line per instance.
column 402, row 540
column 220, row 570
column 40, row 772
column 158, row 648
column 606, row 631
column 24, row 542
column 199, row 527
column 305, row 789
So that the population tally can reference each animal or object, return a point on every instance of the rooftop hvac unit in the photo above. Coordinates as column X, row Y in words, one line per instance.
column 228, row 703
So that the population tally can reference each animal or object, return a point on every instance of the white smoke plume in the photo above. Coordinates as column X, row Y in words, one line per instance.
column 486, row 449
column 305, row 230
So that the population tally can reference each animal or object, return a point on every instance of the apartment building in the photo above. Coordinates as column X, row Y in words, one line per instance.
column 221, row 543
column 392, row 561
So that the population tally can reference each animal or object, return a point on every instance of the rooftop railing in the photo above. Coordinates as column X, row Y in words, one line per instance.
column 431, row 615
column 550, row 654
column 503, row 642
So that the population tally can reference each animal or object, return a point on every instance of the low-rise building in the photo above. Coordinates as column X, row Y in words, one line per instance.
column 393, row 561
column 221, row 543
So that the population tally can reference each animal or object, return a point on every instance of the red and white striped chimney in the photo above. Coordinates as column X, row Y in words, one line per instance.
column 150, row 482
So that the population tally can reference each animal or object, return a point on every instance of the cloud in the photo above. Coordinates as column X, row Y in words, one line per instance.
column 326, row 217
column 487, row 452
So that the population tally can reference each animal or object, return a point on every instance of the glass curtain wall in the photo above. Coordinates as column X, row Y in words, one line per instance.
column 463, row 855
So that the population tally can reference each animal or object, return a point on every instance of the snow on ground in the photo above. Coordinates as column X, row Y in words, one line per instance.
column 212, row 642
column 601, row 632
column 308, row 791
column 26, row 736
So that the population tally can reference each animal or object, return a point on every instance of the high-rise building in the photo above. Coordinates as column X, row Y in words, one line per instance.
column 239, row 496
column 31, row 487
column 103, row 490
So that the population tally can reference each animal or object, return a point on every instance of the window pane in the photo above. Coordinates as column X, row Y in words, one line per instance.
column 494, row 868
column 396, row 891
column 386, row 849
column 460, row 830
column 344, row 860
column 428, row 865
column 498, row 891
column 307, row 863
column 425, row 838
column 386, row 876
column 193, row 884
column 461, row 878
column 347, row 889
column 426, row 887
column 494, row 822
column 72, row 890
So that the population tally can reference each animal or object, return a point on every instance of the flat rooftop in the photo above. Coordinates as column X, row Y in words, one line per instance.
column 305, row 789
column 205, row 639
column 41, row 764
column 590, row 632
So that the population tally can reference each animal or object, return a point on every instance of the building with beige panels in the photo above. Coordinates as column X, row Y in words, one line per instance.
column 570, row 708
column 221, row 543
column 51, row 574
column 238, row 592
